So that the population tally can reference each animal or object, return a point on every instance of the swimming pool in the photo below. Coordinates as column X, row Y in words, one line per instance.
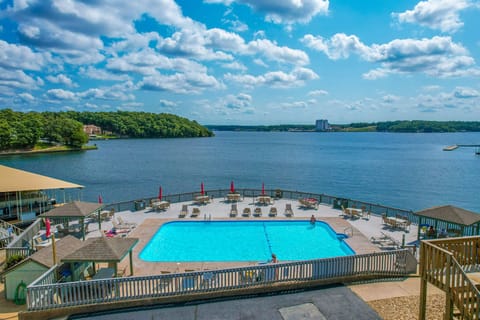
column 203, row 241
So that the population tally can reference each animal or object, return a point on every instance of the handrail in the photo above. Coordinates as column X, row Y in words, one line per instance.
column 27, row 235
column 43, row 295
column 443, row 263
column 375, row 209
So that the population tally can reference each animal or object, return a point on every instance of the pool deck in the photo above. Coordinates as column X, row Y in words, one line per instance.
column 149, row 221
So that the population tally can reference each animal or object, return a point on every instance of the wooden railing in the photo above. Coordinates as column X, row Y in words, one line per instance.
column 27, row 235
column 8, row 232
column 444, row 263
column 44, row 294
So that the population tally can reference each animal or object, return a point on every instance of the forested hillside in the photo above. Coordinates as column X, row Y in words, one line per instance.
column 19, row 130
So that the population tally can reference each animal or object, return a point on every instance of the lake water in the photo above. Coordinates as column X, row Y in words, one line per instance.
column 409, row 171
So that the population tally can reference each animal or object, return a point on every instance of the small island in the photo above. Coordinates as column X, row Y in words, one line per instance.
column 36, row 132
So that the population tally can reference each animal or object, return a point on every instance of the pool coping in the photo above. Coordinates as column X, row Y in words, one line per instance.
column 145, row 231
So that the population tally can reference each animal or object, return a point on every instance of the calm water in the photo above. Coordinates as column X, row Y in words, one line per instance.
column 408, row 171
column 243, row 241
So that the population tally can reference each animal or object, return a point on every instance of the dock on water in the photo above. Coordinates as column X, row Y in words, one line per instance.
column 456, row 146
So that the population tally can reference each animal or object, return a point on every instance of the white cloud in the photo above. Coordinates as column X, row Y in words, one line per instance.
column 275, row 79
column 167, row 103
column 466, row 93
column 273, row 52
column 102, row 74
column 60, row 94
column 62, row 79
column 147, row 61
column 318, row 93
column 118, row 92
column 437, row 56
column 235, row 66
column 239, row 102
column 21, row 57
column 440, row 15
column 185, row 83
column 27, row 97
column 288, row 11
column 17, row 79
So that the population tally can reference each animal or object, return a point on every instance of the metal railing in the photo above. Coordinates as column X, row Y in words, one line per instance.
column 336, row 202
column 44, row 294
column 25, row 238
column 444, row 263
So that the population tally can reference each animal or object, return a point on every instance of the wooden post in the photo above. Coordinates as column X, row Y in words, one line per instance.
column 131, row 262
column 448, row 288
column 99, row 223
column 423, row 284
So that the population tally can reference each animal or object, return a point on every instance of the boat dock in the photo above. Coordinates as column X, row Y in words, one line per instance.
column 456, row 146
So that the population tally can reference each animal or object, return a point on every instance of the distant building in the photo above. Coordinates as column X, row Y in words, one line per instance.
column 322, row 125
column 91, row 129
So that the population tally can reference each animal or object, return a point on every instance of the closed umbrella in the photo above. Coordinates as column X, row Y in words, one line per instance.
column 232, row 187
column 100, row 200
column 202, row 189
column 160, row 193
column 263, row 188
column 47, row 227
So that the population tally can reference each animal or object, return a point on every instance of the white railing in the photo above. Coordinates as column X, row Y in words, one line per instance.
column 43, row 294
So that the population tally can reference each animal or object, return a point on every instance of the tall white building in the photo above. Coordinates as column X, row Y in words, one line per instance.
column 322, row 125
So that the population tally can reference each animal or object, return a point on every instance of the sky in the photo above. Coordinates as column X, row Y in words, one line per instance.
column 244, row 62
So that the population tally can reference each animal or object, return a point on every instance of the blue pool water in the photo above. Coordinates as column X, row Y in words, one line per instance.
column 199, row 241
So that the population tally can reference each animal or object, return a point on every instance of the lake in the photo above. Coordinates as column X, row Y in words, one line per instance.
column 408, row 171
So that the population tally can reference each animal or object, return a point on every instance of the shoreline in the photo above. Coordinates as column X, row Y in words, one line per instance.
column 48, row 150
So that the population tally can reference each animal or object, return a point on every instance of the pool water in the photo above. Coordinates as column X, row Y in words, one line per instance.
column 203, row 241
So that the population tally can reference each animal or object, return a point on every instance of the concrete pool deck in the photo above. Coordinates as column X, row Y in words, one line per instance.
column 149, row 221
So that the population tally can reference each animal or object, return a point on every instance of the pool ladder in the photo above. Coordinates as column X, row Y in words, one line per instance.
column 346, row 230
column 207, row 219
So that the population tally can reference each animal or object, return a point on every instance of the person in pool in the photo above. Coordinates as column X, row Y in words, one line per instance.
column 274, row 258
column 312, row 219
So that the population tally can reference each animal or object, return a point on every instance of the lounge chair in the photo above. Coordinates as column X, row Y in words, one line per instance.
column 288, row 210
column 273, row 212
column 184, row 211
column 119, row 226
column 257, row 212
column 234, row 210
column 246, row 212
column 122, row 222
column 195, row 212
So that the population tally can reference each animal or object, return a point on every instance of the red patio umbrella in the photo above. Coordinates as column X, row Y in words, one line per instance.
column 232, row 187
column 202, row 189
column 160, row 193
column 47, row 227
column 100, row 200
column 263, row 188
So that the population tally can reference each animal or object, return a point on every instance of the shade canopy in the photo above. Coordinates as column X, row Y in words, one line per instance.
column 18, row 180
column 75, row 209
column 102, row 249
column 63, row 247
column 451, row 214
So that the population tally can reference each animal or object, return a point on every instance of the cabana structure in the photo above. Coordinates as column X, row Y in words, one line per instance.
column 104, row 250
column 76, row 210
column 455, row 221
column 22, row 193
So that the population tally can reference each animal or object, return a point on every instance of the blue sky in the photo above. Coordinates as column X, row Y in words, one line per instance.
column 244, row 61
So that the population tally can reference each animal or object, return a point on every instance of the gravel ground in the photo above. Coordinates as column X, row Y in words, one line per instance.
column 407, row 308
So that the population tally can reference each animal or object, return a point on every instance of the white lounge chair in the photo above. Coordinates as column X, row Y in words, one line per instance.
column 273, row 212
column 184, row 211
column 288, row 210
column 246, row 212
column 257, row 212
column 234, row 210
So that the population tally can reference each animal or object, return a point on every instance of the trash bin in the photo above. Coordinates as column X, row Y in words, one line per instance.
column 139, row 205
column 339, row 202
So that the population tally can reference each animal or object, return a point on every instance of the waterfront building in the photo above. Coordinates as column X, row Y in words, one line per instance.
column 322, row 125
column 23, row 194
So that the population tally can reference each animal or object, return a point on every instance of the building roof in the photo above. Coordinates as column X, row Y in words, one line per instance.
column 19, row 180
column 451, row 214
column 75, row 209
column 102, row 249
column 63, row 247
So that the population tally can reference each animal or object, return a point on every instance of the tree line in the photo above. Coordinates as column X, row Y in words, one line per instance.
column 19, row 130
